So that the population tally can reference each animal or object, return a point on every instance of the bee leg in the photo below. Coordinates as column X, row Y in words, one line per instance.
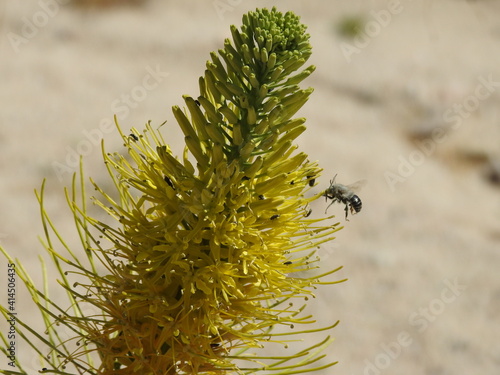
column 333, row 201
column 346, row 209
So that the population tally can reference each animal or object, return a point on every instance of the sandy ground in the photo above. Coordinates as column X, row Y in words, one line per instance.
column 410, row 106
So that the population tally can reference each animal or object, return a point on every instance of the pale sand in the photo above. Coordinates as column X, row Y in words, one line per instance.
column 438, row 226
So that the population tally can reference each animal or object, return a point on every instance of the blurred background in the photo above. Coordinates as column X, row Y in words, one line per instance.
column 406, row 97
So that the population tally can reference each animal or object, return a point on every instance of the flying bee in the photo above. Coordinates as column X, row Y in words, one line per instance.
column 344, row 194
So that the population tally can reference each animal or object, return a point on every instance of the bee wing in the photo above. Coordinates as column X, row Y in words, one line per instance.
column 357, row 186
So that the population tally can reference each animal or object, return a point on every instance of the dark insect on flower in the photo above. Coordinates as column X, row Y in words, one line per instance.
column 261, row 197
column 134, row 137
column 312, row 180
column 274, row 217
column 169, row 182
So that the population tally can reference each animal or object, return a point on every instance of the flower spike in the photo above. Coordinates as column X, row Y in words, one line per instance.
column 203, row 256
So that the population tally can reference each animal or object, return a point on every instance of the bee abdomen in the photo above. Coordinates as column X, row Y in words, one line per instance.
column 356, row 203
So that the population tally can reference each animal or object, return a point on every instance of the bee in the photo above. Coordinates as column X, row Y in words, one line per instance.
column 344, row 194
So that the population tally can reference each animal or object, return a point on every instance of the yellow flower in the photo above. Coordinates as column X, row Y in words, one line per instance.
column 207, row 254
